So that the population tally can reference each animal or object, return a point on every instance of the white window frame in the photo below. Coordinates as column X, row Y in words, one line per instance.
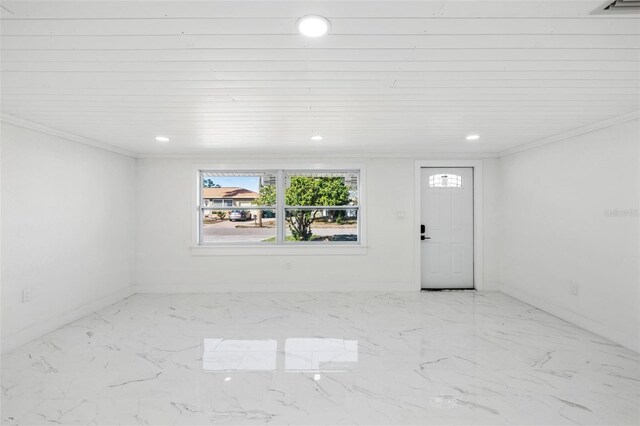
column 281, row 247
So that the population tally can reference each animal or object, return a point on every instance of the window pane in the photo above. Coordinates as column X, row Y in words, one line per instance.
column 321, row 189
column 449, row 180
column 239, row 226
column 322, row 225
column 238, row 189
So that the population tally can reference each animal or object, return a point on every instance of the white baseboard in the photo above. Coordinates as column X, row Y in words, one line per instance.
column 491, row 286
column 628, row 341
column 274, row 287
column 50, row 324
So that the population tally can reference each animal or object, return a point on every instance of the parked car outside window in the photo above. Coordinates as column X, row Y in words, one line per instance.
column 239, row 215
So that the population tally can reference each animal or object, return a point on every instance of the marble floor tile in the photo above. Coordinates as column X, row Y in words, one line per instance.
column 455, row 358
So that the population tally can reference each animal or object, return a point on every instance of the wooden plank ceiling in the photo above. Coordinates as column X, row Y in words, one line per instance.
column 393, row 76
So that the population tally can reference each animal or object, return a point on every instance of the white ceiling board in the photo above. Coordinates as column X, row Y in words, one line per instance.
column 339, row 26
column 234, row 76
column 293, row 9
column 371, row 53
column 288, row 41
column 361, row 67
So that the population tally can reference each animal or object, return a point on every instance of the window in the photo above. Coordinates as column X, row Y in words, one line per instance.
column 448, row 180
column 279, row 207
column 231, row 210
column 321, row 206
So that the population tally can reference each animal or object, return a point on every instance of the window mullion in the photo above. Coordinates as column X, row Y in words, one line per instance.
column 200, row 211
column 280, row 211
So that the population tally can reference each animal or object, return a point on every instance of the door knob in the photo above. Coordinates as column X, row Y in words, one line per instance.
column 422, row 238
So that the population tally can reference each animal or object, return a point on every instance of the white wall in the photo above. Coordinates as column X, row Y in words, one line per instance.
column 81, row 225
column 68, row 216
column 165, row 262
column 490, row 216
column 555, row 233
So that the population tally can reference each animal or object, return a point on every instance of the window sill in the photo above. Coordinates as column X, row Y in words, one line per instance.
column 279, row 250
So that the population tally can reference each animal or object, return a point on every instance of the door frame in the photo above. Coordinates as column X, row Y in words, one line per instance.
column 478, row 241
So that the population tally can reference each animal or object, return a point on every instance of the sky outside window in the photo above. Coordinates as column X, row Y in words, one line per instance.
column 252, row 183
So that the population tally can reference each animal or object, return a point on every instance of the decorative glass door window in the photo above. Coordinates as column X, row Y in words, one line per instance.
column 448, row 180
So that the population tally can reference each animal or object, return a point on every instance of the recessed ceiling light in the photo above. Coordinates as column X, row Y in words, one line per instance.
column 316, row 138
column 313, row 26
column 162, row 139
column 473, row 137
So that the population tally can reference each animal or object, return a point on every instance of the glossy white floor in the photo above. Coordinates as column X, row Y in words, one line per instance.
column 350, row 358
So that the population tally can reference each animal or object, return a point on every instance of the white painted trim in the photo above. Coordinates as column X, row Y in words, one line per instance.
column 50, row 324
column 300, row 165
column 314, row 156
column 280, row 250
column 491, row 286
column 634, row 115
column 276, row 287
column 613, row 334
column 1, row 284
column 20, row 122
column 281, row 189
column 478, row 228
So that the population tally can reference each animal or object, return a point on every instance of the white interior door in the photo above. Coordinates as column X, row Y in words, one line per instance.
column 447, row 218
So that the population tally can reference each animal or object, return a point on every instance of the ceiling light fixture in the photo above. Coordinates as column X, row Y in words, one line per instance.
column 313, row 26
column 316, row 138
column 162, row 139
column 473, row 137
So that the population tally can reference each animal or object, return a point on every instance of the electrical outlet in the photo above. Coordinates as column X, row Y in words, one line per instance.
column 26, row 295
column 574, row 288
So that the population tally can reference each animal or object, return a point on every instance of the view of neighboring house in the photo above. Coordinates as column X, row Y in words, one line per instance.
column 229, row 197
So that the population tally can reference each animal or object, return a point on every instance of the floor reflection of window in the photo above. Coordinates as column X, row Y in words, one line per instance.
column 300, row 354
column 319, row 354
column 239, row 355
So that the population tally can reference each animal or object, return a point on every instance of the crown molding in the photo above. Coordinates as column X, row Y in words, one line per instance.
column 232, row 155
column 229, row 155
column 37, row 127
column 634, row 115
column 16, row 121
